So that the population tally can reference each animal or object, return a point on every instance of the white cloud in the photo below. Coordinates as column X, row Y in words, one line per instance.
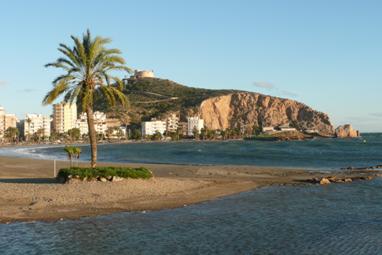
column 263, row 85
column 288, row 93
column 270, row 86
column 376, row 114
column 3, row 83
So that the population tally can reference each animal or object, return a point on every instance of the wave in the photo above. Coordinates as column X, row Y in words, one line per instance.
column 33, row 151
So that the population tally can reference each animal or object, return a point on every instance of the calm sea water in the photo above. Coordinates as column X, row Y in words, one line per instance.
column 312, row 219
column 337, row 219
column 317, row 153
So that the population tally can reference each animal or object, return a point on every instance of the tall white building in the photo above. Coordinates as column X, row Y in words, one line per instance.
column 64, row 117
column 153, row 126
column 10, row 120
column 6, row 121
column 192, row 123
column 172, row 123
column 35, row 122
column 99, row 123
column 2, row 121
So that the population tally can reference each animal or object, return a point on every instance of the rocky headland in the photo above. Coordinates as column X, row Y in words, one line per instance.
column 225, row 109
column 252, row 109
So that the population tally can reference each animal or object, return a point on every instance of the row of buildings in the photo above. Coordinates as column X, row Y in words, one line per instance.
column 64, row 118
column 172, row 124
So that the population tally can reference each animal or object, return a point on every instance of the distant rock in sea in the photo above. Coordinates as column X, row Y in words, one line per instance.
column 346, row 131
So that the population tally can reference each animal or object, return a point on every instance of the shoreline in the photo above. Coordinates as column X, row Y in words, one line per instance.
column 37, row 156
column 30, row 193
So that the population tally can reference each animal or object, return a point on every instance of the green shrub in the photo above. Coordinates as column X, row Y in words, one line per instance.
column 124, row 172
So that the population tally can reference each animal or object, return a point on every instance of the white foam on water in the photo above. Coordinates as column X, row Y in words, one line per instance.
column 34, row 152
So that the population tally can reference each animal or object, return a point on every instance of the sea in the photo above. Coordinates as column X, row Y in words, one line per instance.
column 303, row 219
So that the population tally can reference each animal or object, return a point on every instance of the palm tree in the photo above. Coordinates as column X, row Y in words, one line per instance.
column 88, row 68
column 73, row 152
column 11, row 134
column 29, row 128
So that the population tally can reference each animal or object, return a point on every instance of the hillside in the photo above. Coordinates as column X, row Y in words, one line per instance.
column 220, row 109
column 153, row 97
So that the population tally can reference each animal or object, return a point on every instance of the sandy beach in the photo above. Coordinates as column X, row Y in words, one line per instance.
column 29, row 191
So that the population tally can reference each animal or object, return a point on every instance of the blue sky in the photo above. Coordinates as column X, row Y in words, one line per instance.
column 326, row 54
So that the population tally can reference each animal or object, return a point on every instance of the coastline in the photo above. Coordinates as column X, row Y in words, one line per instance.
column 30, row 193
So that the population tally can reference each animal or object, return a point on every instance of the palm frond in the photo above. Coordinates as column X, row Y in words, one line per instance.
column 59, row 89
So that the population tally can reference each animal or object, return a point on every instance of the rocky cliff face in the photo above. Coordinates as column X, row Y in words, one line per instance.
column 246, row 109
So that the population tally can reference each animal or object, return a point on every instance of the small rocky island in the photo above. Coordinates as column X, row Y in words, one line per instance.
column 346, row 131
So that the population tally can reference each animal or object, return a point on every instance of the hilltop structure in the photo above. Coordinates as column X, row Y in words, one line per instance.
column 143, row 74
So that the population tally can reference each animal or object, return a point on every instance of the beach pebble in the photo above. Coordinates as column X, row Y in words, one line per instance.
column 117, row 179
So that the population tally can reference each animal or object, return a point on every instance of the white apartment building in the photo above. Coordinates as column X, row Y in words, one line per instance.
column 269, row 129
column 6, row 121
column 172, row 123
column 192, row 123
column 153, row 126
column 64, row 117
column 286, row 128
column 10, row 120
column 99, row 123
column 35, row 122
column 2, row 122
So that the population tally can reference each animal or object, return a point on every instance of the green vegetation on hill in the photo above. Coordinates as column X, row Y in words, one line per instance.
column 153, row 97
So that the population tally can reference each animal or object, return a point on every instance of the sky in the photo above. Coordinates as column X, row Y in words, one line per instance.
column 326, row 54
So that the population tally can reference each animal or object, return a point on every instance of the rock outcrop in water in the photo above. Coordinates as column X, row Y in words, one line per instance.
column 346, row 131
column 252, row 109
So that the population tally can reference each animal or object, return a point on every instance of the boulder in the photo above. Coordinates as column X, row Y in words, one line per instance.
column 324, row 181
column 346, row 131
column 332, row 178
column 102, row 179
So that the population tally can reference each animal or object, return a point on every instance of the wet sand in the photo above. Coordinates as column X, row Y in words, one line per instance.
column 28, row 190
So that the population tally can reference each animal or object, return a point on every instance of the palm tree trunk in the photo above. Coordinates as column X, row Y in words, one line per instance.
column 92, row 136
